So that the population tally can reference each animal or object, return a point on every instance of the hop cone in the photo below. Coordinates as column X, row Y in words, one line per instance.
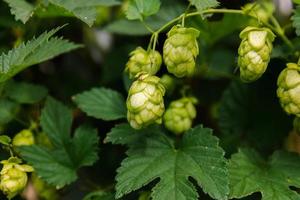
column 13, row 176
column 179, row 116
column 254, row 52
column 180, row 50
column 288, row 90
column 143, row 61
column 25, row 137
column 145, row 101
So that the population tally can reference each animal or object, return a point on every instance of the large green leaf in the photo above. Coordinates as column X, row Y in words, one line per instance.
column 33, row 52
column 82, row 9
column 58, row 166
column 153, row 156
column 250, row 173
column 102, row 103
column 21, row 9
column 140, row 9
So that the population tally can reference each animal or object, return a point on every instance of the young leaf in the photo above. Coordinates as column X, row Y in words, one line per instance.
column 102, row 103
column 152, row 155
column 82, row 9
column 296, row 20
column 25, row 92
column 204, row 4
column 21, row 9
column 140, row 9
column 250, row 173
column 5, row 140
column 33, row 52
column 58, row 166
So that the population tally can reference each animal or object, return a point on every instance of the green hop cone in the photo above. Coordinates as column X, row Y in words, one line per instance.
column 288, row 90
column 254, row 52
column 180, row 51
column 179, row 116
column 145, row 101
column 13, row 176
column 143, row 61
column 25, row 137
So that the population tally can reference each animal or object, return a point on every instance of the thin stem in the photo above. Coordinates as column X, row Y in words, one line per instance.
column 150, row 42
column 154, row 41
column 147, row 26
column 276, row 28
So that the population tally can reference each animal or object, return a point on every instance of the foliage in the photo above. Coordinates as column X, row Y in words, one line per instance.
column 149, row 99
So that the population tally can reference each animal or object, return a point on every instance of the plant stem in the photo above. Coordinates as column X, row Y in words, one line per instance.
column 276, row 28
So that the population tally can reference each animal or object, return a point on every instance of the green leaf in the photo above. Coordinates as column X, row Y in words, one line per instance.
column 58, row 166
column 5, row 140
column 244, row 115
column 33, row 52
column 169, row 10
column 296, row 1
column 250, row 173
column 102, row 103
column 153, row 156
column 99, row 195
column 296, row 20
column 25, row 93
column 21, row 9
column 8, row 110
column 140, row 9
column 204, row 4
column 82, row 9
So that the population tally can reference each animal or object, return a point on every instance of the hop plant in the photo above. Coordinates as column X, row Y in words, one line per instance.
column 254, row 52
column 25, row 137
column 145, row 101
column 13, row 176
column 44, row 190
column 179, row 116
column 180, row 50
column 143, row 61
column 288, row 90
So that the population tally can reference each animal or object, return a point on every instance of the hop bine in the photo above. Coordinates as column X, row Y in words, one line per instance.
column 254, row 52
column 143, row 61
column 13, row 176
column 145, row 103
column 179, row 116
column 180, row 51
column 288, row 90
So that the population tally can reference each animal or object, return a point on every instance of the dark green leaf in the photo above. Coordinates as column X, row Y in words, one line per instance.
column 33, row 52
column 152, row 155
column 21, row 9
column 58, row 166
column 296, row 20
column 25, row 92
column 250, row 173
column 102, row 103
column 8, row 110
